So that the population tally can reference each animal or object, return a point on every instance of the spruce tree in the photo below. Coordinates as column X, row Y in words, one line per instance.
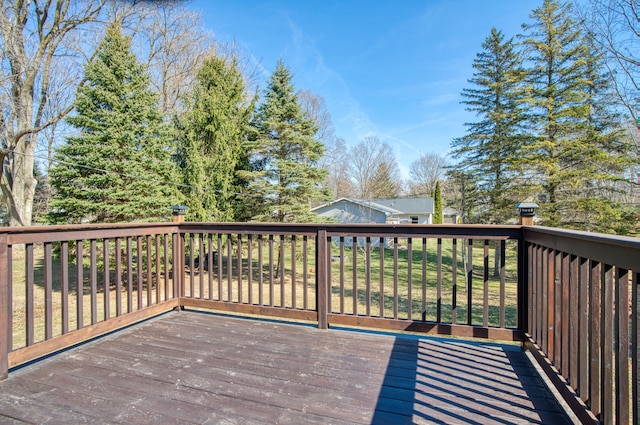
column 117, row 168
column 213, row 133
column 437, row 205
column 603, row 157
column 488, row 151
column 385, row 181
column 285, row 176
column 570, row 150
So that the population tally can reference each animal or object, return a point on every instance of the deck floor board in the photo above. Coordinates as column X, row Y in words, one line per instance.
column 192, row 367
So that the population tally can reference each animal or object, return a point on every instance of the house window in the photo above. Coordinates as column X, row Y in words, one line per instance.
column 414, row 219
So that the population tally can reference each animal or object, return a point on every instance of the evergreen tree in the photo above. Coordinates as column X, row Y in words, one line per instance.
column 285, row 176
column 571, row 150
column 213, row 133
column 437, row 205
column 604, row 154
column 385, row 182
column 489, row 149
column 118, row 168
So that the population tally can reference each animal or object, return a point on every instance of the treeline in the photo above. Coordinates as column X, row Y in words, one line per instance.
column 222, row 156
column 553, row 125
column 156, row 114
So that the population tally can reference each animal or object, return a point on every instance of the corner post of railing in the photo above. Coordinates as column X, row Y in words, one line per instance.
column 178, row 262
column 5, row 308
column 321, row 279
column 523, row 283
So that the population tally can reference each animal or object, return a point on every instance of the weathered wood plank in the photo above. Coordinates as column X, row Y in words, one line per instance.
column 189, row 367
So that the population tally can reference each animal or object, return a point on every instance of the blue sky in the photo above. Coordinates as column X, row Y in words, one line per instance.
column 391, row 69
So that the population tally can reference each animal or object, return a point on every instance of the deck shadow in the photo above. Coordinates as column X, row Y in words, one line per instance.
column 447, row 381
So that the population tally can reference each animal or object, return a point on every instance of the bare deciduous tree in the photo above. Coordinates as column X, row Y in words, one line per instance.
column 614, row 25
column 170, row 40
column 373, row 170
column 425, row 172
column 35, row 38
column 335, row 159
column 314, row 108
column 336, row 162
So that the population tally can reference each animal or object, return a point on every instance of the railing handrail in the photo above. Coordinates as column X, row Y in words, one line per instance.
column 621, row 251
column 44, row 234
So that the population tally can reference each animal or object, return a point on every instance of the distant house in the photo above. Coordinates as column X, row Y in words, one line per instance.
column 391, row 210
column 381, row 211
column 450, row 216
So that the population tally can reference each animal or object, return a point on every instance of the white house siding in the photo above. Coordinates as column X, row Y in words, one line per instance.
column 348, row 212
column 406, row 218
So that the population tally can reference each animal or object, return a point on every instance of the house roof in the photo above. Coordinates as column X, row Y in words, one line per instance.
column 407, row 205
column 390, row 206
column 449, row 211
column 361, row 202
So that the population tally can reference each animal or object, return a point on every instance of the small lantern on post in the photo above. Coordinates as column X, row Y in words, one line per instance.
column 526, row 211
column 178, row 212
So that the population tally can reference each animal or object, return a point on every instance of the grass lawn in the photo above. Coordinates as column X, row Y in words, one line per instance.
column 422, row 299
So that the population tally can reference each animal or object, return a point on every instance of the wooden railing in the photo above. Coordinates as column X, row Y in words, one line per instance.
column 387, row 277
column 63, row 285
column 583, row 318
column 571, row 297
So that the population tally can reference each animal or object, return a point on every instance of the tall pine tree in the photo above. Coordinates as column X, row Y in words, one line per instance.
column 489, row 149
column 572, row 149
column 118, row 168
column 285, row 176
column 603, row 158
column 555, row 79
column 213, row 134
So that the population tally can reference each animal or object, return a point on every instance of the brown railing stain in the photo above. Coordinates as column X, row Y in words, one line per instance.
column 572, row 298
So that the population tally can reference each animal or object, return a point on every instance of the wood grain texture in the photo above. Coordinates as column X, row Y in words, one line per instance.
column 191, row 367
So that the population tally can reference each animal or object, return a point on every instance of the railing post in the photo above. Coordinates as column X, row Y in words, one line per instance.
column 523, row 284
column 178, row 261
column 321, row 279
column 5, row 309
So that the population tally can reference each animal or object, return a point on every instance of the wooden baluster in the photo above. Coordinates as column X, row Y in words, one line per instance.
column 239, row 268
column 79, row 286
column 305, row 271
column 454, row 281
column 93, row 280
column 381, row 267
column 260, row 272
column 64, row 285
column 293, row 272
column 106, row 279
column 321, row 279
column 621, row 323
column 5, row 307
column 409, row 276
column 250, row 267
column 119, row 277
column 48, row 291
column 503, row 318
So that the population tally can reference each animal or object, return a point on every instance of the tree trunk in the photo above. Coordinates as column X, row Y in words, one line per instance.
column 34, row 36
column 22, row 183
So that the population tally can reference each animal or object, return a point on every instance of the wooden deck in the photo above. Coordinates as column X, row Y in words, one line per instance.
column 192, row 367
